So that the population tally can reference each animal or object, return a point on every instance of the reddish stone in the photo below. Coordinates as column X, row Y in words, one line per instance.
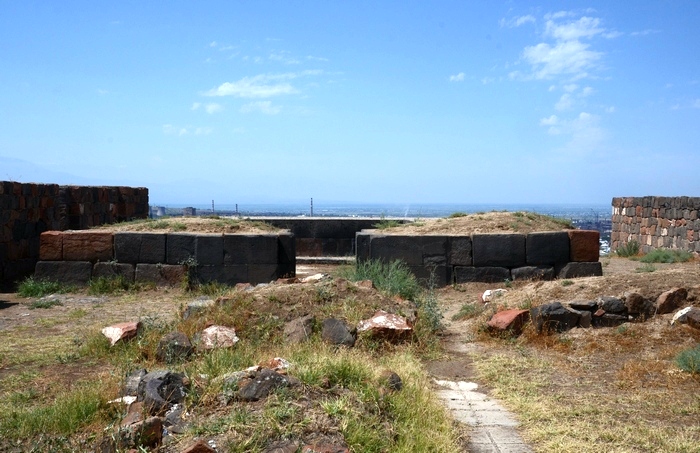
column 324, row 448
column 385, row 322
column 670, row 300
column 87, row 246
column 365, row 284
column 51, row 246
column 584, row 245
column 599, row 313
column 199, row 447
column 214, row 337
column 509, row 320
column 121, row 332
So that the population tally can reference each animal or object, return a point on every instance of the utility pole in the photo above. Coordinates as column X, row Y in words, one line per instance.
column 312, row 207
column 212, row 206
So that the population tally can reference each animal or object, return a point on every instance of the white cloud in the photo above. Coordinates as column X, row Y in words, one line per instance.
column 569, row 58
column 587, row 91
column 213, row 108
column 552, row 120
column 312, row 58
column 584, row 130
column 696, row 104
column 644, row 32
column 457, row 77
column 283, row 57
column 195, row 106
column 261, row 86
column 570, row 88
column 102, row 92
column 213, row 44
column 610, row 109
column 565, row 102
column 265, row 107
column 169, row 129
column 517, row 21
column 585, row 27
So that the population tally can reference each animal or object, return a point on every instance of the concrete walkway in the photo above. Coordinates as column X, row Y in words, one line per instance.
column 492, row 426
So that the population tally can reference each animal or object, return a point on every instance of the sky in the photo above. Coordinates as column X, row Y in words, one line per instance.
column 363, row 101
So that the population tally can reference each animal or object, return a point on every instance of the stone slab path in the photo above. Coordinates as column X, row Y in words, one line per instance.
column 492, row 426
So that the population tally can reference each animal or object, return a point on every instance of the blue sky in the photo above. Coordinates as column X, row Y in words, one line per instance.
column 411, row 102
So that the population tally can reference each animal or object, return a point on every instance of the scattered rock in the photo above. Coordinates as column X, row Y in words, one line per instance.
column 214, row 337
column 365, row 284
column 264, row 382
column 553, row 316
column 277, row 364
column 243, row 287
column 121, row 332
column 586, row 319
column 173, row 347
column 693, row 318
column 199, row 447
column 391, row 380
column 638, row 305
column 197, row 306
column 160, row 390
column 131, row 386
column 490, row 294
column 299, row 330
column 288, row 281
column 324, row 448
column 283, row 446
column 386, row 324
column 681, row 316
column 609, row 320
column 509, row 321
column 338, row 332
column 670, row 300
column 612, row 305
column 583, row 305
column 314, row 278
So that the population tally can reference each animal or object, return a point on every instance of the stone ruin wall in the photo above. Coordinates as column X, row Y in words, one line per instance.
column 656, row 222
column 28, row 209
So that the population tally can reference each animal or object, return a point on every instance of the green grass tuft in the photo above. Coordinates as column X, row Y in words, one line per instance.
column 667, row 256
column 32, row 287
column 689, row 360
column 394, row 278
column 629, row 249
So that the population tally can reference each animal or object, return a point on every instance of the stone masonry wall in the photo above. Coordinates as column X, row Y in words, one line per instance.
column 656, row 222
column 75, row 257
column 489, row 258
column 28, row 209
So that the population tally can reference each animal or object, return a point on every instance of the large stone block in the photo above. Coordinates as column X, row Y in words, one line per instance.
column 548, row 248
column 160, row 274
column 69, row 272
column 51, row 246
column 583, row 269
column 226, row 274
column 362, row 242
column 132, row 247
column 286, row 255
column 532, row 273
column 250, row 249
column 88, row 246
column 498, row 250
column 262, row 273
column 488, row 274
column 114, row 270
column 413, row 250
column 460, row 251
column 180, row 248
column 209, row 249
column 437, row 276
column 584, row 245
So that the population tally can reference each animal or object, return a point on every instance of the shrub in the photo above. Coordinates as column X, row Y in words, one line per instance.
column 667, row 256
column 629, row 249
column 648, row 267
column 689, row 360
column 394, row 278
column 455, row 215
column 385, row 223
column 32, row 287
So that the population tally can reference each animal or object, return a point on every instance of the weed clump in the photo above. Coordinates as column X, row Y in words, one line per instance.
column 32, row 287
column 629, row 249
column 667, row 256
column 688, row 360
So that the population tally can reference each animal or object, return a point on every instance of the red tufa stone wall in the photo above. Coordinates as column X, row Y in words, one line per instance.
column 656, row 222
column 27, row 210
